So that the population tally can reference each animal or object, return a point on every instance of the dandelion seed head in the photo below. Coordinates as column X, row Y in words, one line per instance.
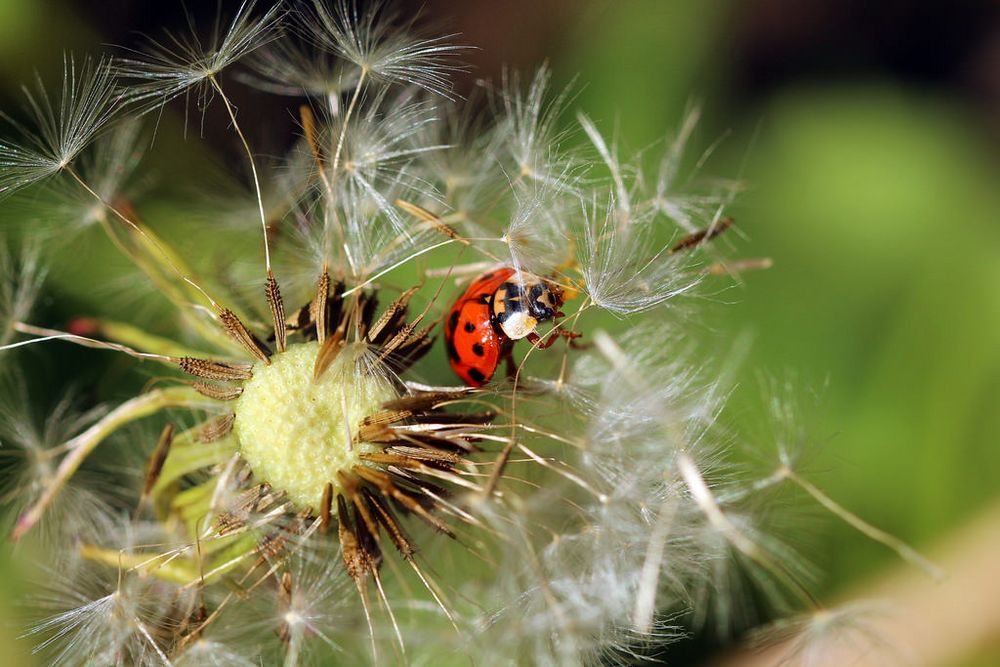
column 311, row 494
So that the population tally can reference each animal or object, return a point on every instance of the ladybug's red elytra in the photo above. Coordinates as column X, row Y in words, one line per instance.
column 498, row 308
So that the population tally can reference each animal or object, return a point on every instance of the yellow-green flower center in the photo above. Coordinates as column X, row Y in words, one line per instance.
column 296, row 432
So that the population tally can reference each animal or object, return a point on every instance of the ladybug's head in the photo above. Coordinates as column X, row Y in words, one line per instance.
column 545, row 298
column 518, row 307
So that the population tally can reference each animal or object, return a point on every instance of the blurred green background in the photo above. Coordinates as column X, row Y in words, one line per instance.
column 869, row 140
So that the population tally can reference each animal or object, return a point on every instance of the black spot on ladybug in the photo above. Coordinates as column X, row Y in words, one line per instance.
column 469, row 327
column 452, row 352
column 477, row 375
column 484, row 298
column 453, row 321
column 477, row 349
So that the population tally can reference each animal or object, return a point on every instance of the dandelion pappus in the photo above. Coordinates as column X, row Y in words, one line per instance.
column 499, row 308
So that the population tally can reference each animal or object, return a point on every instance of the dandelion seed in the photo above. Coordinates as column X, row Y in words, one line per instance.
column 285, row 67
column 62, row 127
column 680, row 198
column 21, row 279
column 213, row 654
column 368, row 39
column 109, row 167
column 537, row 232
column 109, row 616
column 624, row 270
column 376, row 152
column 167, row 68
column 827, row 636
column 30, row 449
column 533, row 137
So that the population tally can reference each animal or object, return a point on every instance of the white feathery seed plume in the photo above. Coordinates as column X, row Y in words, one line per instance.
column 21, row 279
column 62, row 126
column 167, row 67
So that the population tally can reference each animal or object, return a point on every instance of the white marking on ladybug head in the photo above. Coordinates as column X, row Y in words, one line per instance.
column 518, row 325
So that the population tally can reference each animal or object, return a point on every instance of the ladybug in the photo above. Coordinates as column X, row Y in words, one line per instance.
column 496, row 310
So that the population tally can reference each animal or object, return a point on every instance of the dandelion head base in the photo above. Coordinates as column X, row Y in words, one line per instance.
column 297, row 432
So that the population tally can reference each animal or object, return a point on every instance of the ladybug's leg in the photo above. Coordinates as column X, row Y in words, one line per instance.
column 508, row 357
column 537, row 341
column 571, row 335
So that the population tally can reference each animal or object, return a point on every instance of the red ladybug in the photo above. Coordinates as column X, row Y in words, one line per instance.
column 499, row 308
